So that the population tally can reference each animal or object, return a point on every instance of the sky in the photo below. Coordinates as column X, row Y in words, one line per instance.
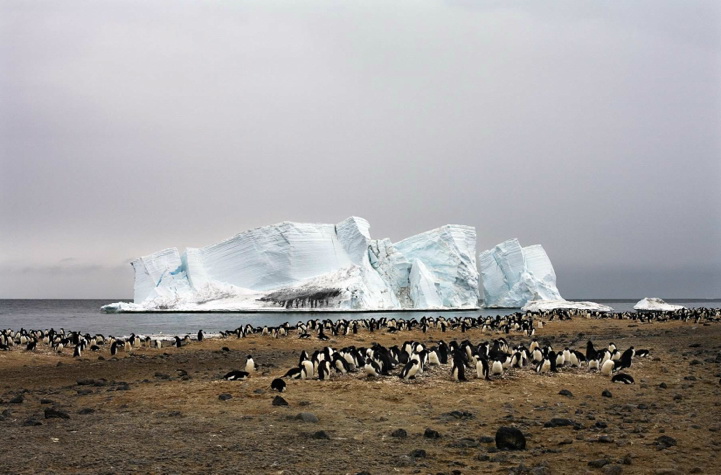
column 592, row 128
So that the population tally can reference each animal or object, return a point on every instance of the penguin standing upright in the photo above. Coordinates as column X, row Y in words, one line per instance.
column 114, row 348
column 458, row 371
column 200, row 335
column 250, row 365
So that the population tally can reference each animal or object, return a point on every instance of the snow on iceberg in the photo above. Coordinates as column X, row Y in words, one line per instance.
column 548, row 305
column 311, row 266
column 514, row 275
column 651, row 304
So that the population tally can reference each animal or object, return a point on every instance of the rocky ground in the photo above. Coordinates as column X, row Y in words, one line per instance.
column 168, row 410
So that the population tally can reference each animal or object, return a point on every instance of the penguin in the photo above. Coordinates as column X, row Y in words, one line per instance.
column 158, row 343
column 250, row 365
column 32, row 344
column 543, row 366
column 294, row 373
column 642, row 353
column 308, row 369
column 483, row 369
column 458, row 371
column 236, row 375
column 128, row 346
column 371, row 368
column 625, row 360
column 114, row 348
column 200, row 335
column 497, row 368
column 410, row 370
column 323, row 370
column 607, row 367
column 178, row 342
column 622, row 378
column 278, row 385
column 78, row 352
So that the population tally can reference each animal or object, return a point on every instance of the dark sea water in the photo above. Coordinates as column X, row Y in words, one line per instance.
column 85, row 316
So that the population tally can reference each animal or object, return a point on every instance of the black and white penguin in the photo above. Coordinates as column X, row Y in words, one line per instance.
column 200, row 335
column 294, row 373
column 178, row 342
column 236, row 375
column 250, row 365
column 114, row 348
column 607, row 367
column 483, row 370
column 497, row 368
column 458, row 370
column 410, row 369
column 642, row 353
column 278, row 385
column 543, row 366
column 371, row 368
column 78, row 351
column 32, row 344
column 324, row 370
column 622, row 378
column 626, row 359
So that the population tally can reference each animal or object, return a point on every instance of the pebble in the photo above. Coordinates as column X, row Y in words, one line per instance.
column 53, row 413
column 510, row 438
column 665, row 442
column 562, row 422
column 399, row 433
column 606, row 393
column 321, row 435
column 418, row 454
column 612, row 469
column 307, row 417
column 565, row 392
column 17, row 399
column 431, row 434
column 225, row 397
column 598, row 463
column 279, row 401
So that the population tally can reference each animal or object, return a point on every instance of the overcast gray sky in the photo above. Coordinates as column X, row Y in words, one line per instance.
column 593, row 128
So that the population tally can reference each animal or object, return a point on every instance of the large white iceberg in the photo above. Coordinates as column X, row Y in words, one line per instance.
column 311, row 267
column 548, row 305
column 651, row 304
column 514, row 275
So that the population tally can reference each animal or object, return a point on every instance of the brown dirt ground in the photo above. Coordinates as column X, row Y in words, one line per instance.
column 179, row 424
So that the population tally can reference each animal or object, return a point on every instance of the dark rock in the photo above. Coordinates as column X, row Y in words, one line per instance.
column 279, row 401
column 307, row 417
column 598, row 463
column 696, row 470
column 17, row 399
column 500, row 458
column 162, row 375
column 123, row 387
column 565, row 442
column 86, row 410
column 663, row 385
column 225, row 397
column 627, row 460
column 47, row 401
column 225, row 348
column 690, row 378
column 32, row 422
column 85, row 382
column 404, row 461
column 606, row 393
column 600, row 425
column 399, row 433
column 84, row 392
column 418, row 454
column 612, row 469
column 695, row 362
column 458, row 415
column 677, row 397
column 431, row 434
column 510, row 438
column 665, row 442
column 565, row 392
column 605, row 439
column 486, row 440
column 321, row 434
column 465, row 443
column 561, row 422
column 53, row 413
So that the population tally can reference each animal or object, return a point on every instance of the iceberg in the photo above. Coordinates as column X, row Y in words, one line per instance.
column 651, row 304
column 548, row 305
column 311, row 267
column 514, row 275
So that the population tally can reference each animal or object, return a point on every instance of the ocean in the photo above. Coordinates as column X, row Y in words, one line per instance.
column 85, row 316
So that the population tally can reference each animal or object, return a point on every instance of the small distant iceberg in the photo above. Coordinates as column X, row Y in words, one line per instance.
column 548, row 305
column 652, row 304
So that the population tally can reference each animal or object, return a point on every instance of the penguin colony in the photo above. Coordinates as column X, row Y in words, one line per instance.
column 464, row 360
